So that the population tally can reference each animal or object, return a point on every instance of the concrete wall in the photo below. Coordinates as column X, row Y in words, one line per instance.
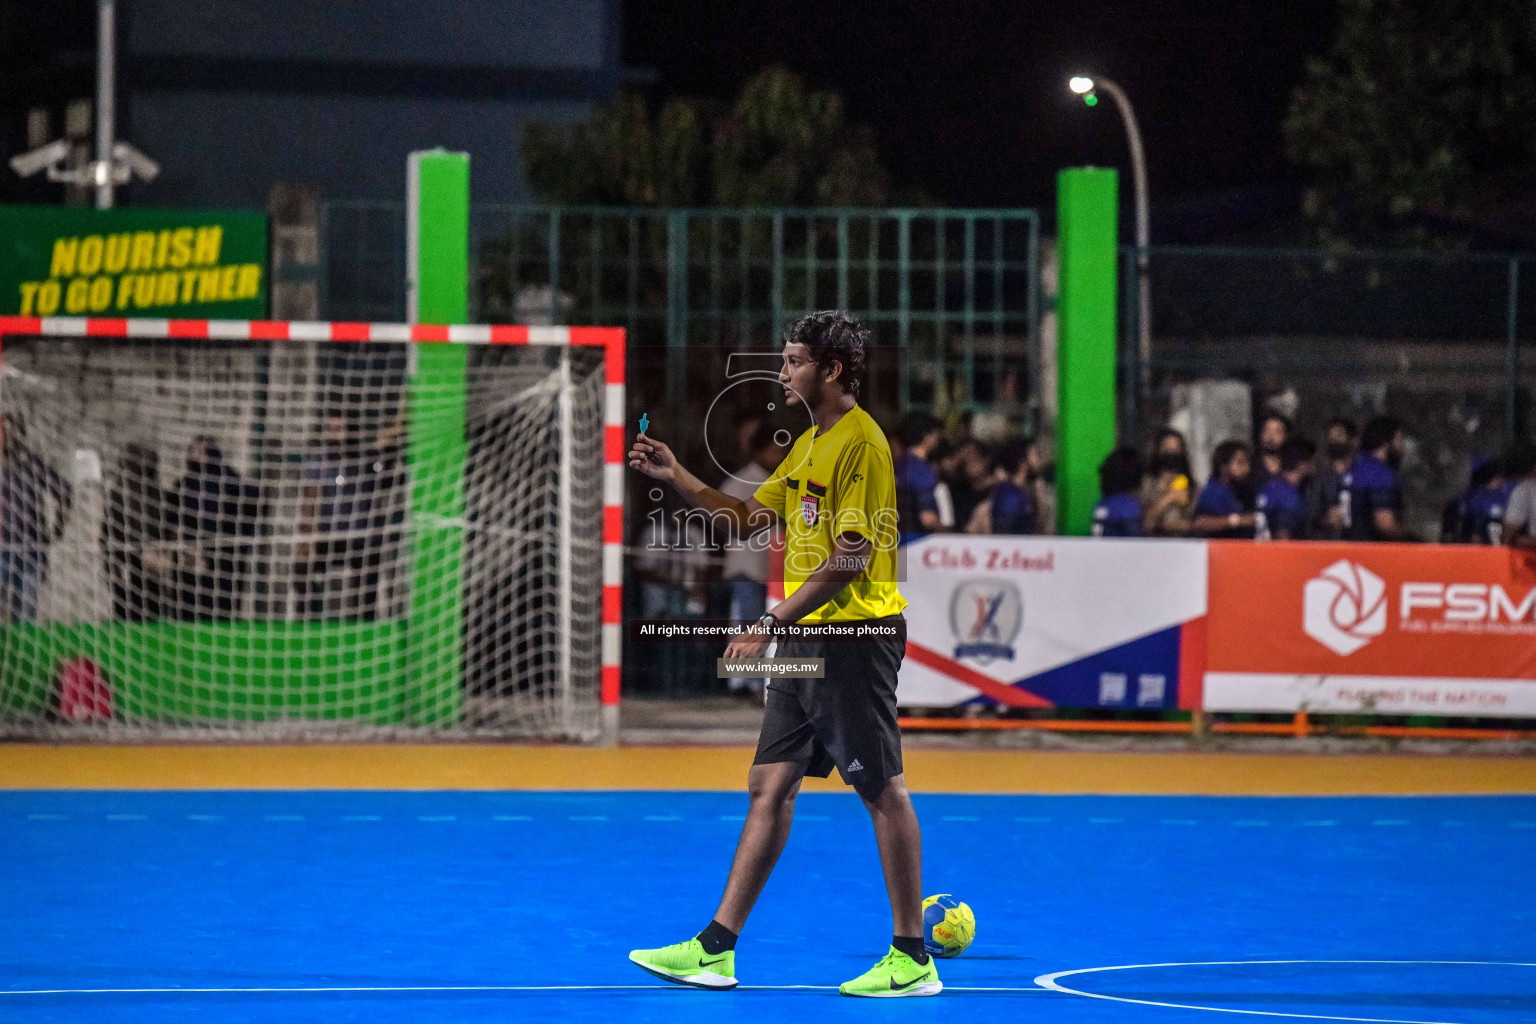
column 221, row 149
column 231, row 96
column 491, row 33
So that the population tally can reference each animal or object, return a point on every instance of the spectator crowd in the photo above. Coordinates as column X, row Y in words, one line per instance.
column 1282, row 487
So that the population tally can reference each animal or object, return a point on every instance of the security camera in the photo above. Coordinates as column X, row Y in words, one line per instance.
column 41, row 158
column 136, row 162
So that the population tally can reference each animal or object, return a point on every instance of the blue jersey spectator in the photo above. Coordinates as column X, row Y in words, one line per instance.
column 1011, row 506
column 1118, row 515
column 1281, row 513
column 1119, row 512
column 1222, row 509
column 1484, row 517
column 1479, row 511
column 917, row 506
column 1013, row 509
column 1371, row 497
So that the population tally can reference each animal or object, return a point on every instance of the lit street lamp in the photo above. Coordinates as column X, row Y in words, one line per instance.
column 1088, row 89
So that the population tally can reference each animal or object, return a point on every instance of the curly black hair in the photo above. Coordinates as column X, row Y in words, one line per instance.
column 833, row 337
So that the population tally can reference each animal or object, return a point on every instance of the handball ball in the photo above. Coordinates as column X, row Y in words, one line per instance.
column 948, row 926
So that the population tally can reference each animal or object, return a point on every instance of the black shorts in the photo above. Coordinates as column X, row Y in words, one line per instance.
column 846, row 719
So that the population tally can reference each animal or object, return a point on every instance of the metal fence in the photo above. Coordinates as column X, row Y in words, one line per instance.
column 1437, row 339
column 957, row 289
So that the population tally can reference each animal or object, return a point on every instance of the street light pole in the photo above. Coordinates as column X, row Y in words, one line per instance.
column 117, row 162
column 1087, row 87
column 106, row 94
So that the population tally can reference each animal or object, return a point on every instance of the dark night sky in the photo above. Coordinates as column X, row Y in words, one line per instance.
column 968, row 97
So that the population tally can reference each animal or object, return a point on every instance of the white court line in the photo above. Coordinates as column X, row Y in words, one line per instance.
column 1048, row 981
column 447, row 988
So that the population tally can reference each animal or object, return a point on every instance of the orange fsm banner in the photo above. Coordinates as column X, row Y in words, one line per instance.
column 1383, row 628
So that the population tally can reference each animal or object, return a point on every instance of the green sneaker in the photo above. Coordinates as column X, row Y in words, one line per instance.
column 896, row 975
column 686, row 963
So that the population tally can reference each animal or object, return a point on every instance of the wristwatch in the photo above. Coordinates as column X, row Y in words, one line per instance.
column 768, row 621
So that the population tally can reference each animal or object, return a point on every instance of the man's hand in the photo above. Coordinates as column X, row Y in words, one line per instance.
column 653, row 458
column 749, row 643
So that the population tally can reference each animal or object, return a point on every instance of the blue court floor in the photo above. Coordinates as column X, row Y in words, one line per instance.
column 426, row 907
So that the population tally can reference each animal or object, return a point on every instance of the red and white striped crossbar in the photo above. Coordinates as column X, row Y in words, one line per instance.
column 609, row 339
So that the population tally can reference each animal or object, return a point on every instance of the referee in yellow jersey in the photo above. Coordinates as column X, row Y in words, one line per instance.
column 836, row 491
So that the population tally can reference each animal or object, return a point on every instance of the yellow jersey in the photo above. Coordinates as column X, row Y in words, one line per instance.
column 832, row 483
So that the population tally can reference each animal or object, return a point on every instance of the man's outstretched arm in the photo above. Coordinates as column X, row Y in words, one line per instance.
column 655, row 460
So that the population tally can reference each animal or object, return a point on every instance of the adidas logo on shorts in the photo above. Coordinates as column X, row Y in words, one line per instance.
column 854, row 766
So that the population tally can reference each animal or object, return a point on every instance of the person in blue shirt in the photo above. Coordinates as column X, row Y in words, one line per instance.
column 1479, row 511
column 1281, row 512
column 1222, row 510
column 1011, row 506
column 917, row 507
column 1118, row 513
column 1371, row 496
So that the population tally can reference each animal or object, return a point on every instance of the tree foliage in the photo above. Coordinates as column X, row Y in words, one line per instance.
column 1419, row 120
column 778, row 144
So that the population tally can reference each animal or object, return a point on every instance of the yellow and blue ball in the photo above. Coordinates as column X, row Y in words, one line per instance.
column 948, row 926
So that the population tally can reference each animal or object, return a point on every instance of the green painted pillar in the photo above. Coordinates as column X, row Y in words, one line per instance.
column 437, row 290
column 1087, row 210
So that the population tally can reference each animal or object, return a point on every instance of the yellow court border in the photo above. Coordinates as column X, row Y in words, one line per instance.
column 539, row 767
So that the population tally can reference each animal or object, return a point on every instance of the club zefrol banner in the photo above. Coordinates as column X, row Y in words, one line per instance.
column 1052, row 621
column 1380, row 628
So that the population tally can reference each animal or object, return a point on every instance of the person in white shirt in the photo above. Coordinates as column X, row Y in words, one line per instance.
column 745, row 568
column 1520, row 512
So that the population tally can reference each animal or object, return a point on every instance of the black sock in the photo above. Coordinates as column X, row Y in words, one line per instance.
column 912, row 947
column 717, row 938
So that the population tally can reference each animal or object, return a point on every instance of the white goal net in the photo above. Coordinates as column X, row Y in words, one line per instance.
column 278, row 539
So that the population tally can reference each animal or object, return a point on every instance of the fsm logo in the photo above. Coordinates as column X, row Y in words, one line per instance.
column 985, row 616
column 1344, row 607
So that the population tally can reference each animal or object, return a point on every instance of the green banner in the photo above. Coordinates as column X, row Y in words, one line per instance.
column 70, row 261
